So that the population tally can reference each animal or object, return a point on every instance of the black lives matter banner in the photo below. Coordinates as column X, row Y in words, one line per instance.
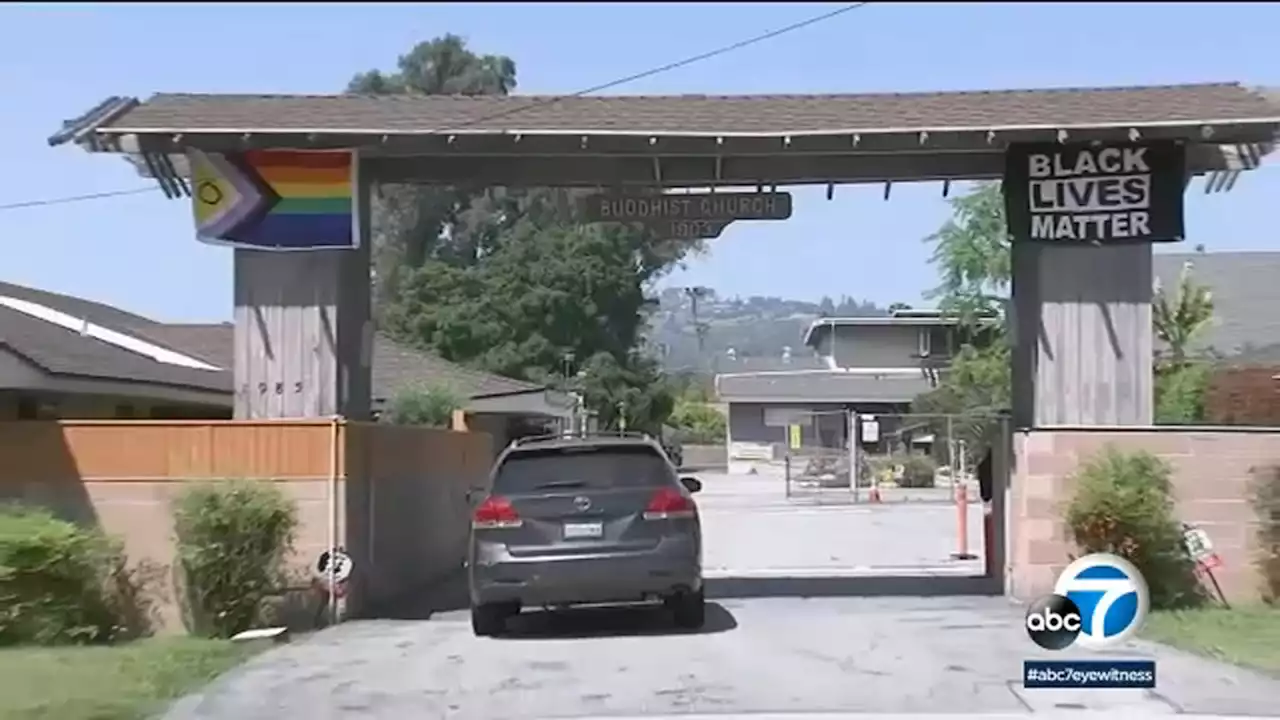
column 1100, row 194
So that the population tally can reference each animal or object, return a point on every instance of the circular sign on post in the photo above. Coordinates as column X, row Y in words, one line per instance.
column 340, row 570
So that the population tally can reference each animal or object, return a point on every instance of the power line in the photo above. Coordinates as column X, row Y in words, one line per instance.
column 541, row 102
column 77, row 198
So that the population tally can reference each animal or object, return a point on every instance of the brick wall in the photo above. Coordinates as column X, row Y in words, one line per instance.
column 1211, row 477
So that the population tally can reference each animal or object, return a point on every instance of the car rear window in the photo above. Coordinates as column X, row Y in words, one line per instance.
column 531, row 471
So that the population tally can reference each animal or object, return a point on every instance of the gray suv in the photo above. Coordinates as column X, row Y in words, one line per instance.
column 577, row 520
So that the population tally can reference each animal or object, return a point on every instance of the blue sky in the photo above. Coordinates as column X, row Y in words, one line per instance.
column 139, row 252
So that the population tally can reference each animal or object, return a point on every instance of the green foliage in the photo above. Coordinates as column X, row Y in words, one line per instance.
column 918, row 469
column 1177, row 321
column 698, row 422
column 512, row 280
column 431, row 405
column 968, row 403
column 634, row 392
column 1123, row 504
column 972, row 254
column 1266, row 506
column 1180, row 393
column 61, row 583
column 233, row 541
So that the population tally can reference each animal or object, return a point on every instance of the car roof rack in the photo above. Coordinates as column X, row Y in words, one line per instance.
column 573, row 435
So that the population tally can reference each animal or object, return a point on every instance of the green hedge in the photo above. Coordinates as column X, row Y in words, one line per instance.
column 233, row 539
column 61, row 583
column 1123, row 504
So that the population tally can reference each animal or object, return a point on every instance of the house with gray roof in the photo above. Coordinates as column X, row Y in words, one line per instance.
column 67, row 357
column 874, row 366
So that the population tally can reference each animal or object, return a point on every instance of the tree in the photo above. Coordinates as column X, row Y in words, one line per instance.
column 512, row 280
column 410, row 223
column 1179, row 320
column 972, row 254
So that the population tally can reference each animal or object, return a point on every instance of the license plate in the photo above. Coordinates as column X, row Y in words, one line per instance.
column 579, row 531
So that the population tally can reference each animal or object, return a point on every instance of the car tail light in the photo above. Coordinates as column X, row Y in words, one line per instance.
column 495, row 512
column 668, row 504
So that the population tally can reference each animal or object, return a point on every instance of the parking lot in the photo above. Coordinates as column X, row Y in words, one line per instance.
column 752, row 529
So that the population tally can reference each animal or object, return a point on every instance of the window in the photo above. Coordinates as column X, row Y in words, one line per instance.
column 924, row 340
column 529, row 471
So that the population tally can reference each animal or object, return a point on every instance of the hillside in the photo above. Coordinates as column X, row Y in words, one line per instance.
column 741, row 334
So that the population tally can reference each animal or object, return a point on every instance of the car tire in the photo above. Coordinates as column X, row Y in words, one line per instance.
column 689, row 610
column 489, row 620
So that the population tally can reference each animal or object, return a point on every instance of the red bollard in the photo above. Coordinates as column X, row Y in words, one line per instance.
column 962, row 523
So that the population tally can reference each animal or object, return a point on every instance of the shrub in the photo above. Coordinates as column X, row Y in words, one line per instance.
column 1180, row 393
column 432, row 405
column 1266, row 504
column 1123, row 505
column 61, row 583
column 918, row 469
column 233, row 541
column 698, row 423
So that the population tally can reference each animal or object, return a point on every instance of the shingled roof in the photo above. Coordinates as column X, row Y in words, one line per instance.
column 395, row 366
column 60, row 351
column 698, row 114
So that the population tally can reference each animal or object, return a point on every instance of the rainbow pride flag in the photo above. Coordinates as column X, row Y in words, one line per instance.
column 275, row 199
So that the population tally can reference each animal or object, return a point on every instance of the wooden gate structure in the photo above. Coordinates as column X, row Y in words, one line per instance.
column 1087, row 175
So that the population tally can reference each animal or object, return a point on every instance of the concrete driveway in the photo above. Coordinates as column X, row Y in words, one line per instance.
column 939, row 655
column 780, row 655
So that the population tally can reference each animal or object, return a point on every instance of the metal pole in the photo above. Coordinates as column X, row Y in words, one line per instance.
column 853, row 453
column 951, row 452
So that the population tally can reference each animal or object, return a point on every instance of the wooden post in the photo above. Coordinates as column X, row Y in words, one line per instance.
column 1082, row 335
column 303, row 330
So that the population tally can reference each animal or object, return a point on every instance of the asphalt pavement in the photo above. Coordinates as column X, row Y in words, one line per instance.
column 832, row 655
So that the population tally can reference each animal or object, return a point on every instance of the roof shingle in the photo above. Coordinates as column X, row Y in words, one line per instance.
column 700, row 114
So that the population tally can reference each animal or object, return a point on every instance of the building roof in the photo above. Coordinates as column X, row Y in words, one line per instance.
column 823, row 386
column 61, row 351
column 696, row 114
column 1246, row 293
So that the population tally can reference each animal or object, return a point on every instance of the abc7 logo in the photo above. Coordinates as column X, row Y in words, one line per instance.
column 1053, row 622
column 1098, row 602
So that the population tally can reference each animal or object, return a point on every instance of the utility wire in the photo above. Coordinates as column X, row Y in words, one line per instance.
column 540, row 102
column 77, row 198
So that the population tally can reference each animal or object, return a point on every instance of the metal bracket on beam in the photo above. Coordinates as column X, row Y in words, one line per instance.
column 1134, row 135
column 924, row 137
column 583, row 142
column 831, row 190
column 657, row 170
column 1063, row 136
column 856, row 139
column 888, row 186
column 946, row 188
column 719, row 172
